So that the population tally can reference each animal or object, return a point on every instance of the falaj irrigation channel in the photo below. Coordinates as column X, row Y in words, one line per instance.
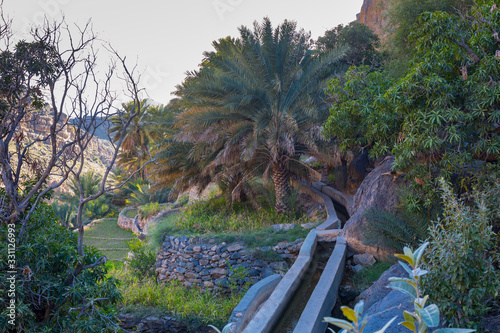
column 298, row 301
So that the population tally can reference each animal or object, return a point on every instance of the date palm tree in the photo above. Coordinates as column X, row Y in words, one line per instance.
column 256, row 105
column 135, row 147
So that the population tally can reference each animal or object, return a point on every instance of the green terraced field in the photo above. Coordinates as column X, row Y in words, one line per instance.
column 109, row 238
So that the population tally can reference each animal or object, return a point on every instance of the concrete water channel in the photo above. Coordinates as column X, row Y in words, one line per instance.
column 297, row 302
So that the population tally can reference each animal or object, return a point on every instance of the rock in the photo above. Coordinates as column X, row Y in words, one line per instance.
column 308, row 226
column 357, row 268
column 253, row 272
column 373, row 15
column 180, row 270
column 279, row 265
column 379, row 289
column 283, row 226
column 384, row 310
column 376, row 191
column 222, row 282
column 341, row 177
column 357, row 168
column 267, row 271
column 364, row 259
column 217, row 272
column 382, row 303
column 197, row 249
column 234, row 248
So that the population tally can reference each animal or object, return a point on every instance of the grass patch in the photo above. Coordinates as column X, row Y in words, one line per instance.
column 131, row 213
column 368, row 275
column 148, row 210
column 215, row 216
column 164, row 226
column 170, row 225
column 146, row 297
column 261, row 238
column 99, row 236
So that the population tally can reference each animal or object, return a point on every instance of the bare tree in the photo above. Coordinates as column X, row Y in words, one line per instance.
column 57, row 70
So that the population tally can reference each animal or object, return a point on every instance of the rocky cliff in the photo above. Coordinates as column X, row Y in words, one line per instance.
column 37, row 127
column 373, row 15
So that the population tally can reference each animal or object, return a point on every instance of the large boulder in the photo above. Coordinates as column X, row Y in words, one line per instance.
column 378, row 190
column 382, row 303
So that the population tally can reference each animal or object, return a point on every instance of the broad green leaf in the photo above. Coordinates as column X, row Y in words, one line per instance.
column 407, row 268
column 419, row 252
column 404, row 287
column 409, row 316
column 382, row 330
column 430, row 315
column 339, row 323
column 407, row 251
column 359, row 307
column 349, row 314
column 410, row 281
column 406, row 258
column 408, row 325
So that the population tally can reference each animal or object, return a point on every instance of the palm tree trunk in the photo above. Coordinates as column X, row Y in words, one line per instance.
column 282, row 189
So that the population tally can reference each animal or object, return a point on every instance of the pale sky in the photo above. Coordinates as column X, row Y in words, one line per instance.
column 167, row 38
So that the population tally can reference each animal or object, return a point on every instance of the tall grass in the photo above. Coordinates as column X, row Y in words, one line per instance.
column 172, row 298
column 215, row 216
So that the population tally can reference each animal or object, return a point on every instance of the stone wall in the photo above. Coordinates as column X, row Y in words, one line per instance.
column 135, row 224
column 211, row 266
column 150, row 324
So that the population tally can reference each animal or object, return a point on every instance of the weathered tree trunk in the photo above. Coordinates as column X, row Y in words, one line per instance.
column 281, row 187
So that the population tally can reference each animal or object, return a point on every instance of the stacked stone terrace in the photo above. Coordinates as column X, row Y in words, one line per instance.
column 211, row 266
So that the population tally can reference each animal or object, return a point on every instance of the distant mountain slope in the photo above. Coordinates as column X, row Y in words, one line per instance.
column 98, row 154
column 372, row 14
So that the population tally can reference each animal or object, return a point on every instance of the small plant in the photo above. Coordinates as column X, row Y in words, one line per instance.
column 331, row 177
column 419, row 321
column 148, row 210
column 238, row 279
column 142, row 262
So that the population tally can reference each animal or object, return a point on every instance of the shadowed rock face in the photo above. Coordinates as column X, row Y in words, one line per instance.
column 376, row 191
column 372, row 14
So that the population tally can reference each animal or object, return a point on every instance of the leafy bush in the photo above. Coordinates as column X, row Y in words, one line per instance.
column 47, row 301
column 148, row 210
column 463, row 260
column 142, row 261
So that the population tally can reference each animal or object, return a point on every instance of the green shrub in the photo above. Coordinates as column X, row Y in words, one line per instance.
column 463, row 260
column 142, row 261
column 46, row 256
column 148, row 210
column 158, row 231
